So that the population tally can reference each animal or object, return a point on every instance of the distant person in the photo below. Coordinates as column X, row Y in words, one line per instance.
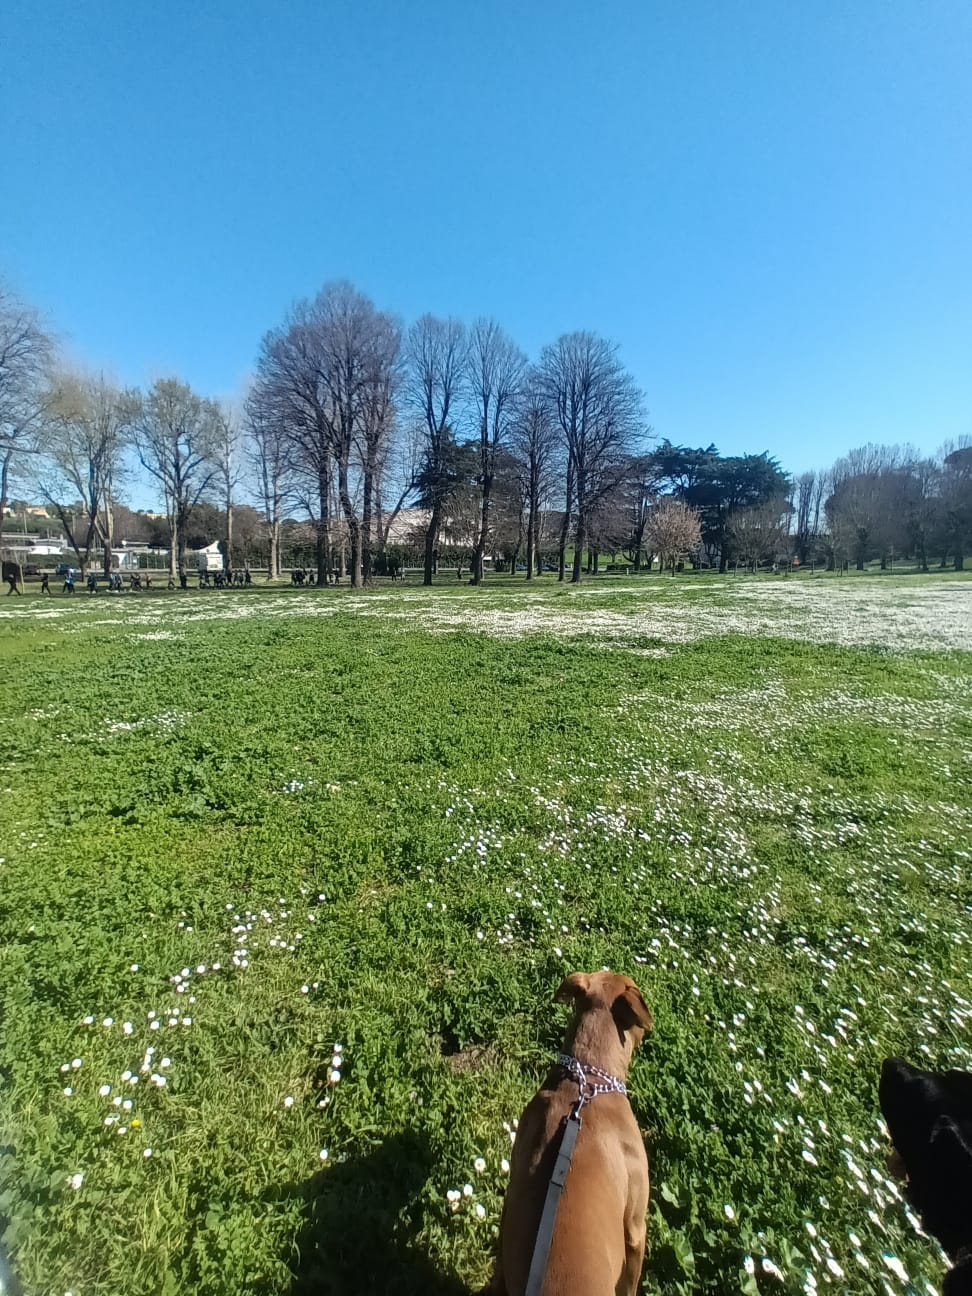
column 68, row 587
column 247, row 578
column 12, row 582
column 183, row 578
column 93, row 584
column 46, row 585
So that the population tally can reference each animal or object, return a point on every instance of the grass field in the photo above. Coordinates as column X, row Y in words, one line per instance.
column 289, row 881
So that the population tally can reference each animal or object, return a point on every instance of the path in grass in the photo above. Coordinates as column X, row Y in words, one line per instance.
column 320, row 862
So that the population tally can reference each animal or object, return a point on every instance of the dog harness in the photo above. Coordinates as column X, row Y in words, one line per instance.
column 591, row 1081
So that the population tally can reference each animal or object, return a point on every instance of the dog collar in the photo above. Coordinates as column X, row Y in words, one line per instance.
column 591, row 1080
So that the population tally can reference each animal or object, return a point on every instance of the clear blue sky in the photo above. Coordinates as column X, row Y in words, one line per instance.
column 768, row 203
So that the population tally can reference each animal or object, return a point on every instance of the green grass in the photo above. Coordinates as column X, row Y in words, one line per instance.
column 425, row 827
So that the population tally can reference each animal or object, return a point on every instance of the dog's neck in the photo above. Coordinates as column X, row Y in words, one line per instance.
column 594, row 1040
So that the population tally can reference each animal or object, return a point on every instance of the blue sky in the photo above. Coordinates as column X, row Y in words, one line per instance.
column 768, row 204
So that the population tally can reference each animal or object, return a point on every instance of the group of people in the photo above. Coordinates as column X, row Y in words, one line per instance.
column 238, row 578
column 136, row 581
column 301, row 576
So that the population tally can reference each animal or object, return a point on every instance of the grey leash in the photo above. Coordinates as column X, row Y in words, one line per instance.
column 589, row 1088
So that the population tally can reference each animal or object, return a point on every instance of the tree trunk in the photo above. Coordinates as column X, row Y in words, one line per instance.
column 568, row 509
column 366, row 524
column 108, row 538
column 580, row 541
column 173, row 545
column 228, row 560
column 480, row 550
column 431, row 541
column 4, row 480
column 273, row 547
column 323, row 523
column 959, row 563
column 531, row 539
column 351, row 518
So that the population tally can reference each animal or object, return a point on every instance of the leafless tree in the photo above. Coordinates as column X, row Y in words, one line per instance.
column 956, row 493
column 175, row 435
column 396, row 479
column 26, row 356
column 270, row 450
column 856, row 509
column 435, row 361
column 534, row 446
column 293, row 401
column 757, row 533
column 495, row 371
column 227, row 446
column 378, row 422
column 598, row 409
column 919, row 503
column 327, row 376
column 87, row 431
column 638, row 491
column 809, row 489
column 673, row 531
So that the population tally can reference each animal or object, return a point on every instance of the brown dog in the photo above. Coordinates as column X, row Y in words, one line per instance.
column 598, row 1241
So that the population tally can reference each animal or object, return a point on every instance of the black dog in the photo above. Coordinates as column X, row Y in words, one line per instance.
column 929, row 1118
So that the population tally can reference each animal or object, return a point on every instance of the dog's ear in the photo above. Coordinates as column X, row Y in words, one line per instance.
column 629, row 1009
column 573, row 987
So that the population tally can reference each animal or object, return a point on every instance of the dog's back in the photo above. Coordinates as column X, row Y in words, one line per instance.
column 597, row 1246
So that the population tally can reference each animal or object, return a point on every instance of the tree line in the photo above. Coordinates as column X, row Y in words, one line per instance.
column 353, row 417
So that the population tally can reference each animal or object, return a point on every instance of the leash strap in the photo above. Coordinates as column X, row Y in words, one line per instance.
column 538, row 1265
column 591, row 1081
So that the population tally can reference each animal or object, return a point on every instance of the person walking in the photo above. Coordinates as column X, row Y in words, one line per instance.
column 46, row 585
column 68, row 581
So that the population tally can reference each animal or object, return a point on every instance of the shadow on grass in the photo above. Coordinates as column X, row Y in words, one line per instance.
column 362, row 1218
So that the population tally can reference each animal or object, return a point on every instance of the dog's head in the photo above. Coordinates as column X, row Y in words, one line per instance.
column 929, row 1119
column 607, row 997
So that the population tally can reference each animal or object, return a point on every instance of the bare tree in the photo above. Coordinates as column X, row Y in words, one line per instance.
column 495, row 372
column 598, row 408
column 377, row 419
column 674, row 531
column 398, row 473
column 292, row 400
column 956, row 491
column 271, row 454
column 757, row 533
column 435, row 359
column 534, row 444
column 88, row 430
column 175, row 436
column 857, row 506
column 26, row 354
column 227, row 443
column 810, row 490
column 920, row 503
column 638, row 491
column 327, row 377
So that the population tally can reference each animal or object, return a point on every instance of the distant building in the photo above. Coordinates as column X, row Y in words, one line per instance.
column 210, row 559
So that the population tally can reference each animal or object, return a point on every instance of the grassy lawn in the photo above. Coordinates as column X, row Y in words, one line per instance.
column 290, row 879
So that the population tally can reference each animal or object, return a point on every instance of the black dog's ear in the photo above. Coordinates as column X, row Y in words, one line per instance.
column 573, row 987
column 958, row 1281
column 902, row 1105
column 629, row 1009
